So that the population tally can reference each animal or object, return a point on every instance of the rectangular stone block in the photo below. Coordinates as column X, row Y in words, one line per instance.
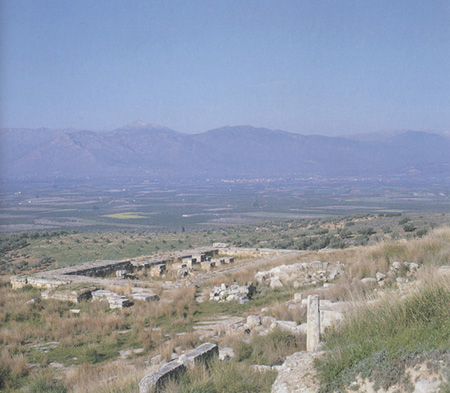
column 313, row 320
column 203, row 353
column 155, row 382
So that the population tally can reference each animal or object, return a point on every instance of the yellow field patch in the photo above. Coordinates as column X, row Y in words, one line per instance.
column 124, row 215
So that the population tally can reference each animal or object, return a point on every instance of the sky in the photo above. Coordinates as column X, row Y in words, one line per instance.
column 313, row 67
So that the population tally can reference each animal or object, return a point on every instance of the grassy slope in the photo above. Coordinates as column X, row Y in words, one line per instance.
column 380, row 341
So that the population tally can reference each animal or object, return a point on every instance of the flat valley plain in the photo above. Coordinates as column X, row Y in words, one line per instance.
column 94, row 206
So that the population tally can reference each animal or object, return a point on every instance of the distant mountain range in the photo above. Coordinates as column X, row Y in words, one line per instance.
column 139, row 150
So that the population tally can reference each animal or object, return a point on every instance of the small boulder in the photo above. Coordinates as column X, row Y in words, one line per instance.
column 253, row 321
column 275, row 283
column 267, row 321
column 226, row 353
column 369, row 281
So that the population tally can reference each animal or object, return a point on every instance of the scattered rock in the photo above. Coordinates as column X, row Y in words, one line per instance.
column 287, row 326
column 156, row 359
column 182, row 272
column 426, row 386
column 261, row 368
column 35, row 300
column 237, row 293
column 299, row 274
column 369, row 281
column 226, row 353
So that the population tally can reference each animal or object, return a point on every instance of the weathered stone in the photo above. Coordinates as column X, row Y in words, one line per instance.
column 121, row 273
column 221, row 245
column 226, row 353
column 313, row 320
column 380, row 276
column 156, row 359
column 369, row 281
column 298, row 297
column 207, row 266
column 329, row 318
column 199, row 257
column 182, row 272
column 261, row 368
column 158, row 270
column 156, row 381
column 114, row 300
column 397, row 265
column 444, row 270
column 18, row 282
column 286, row 326
column 276, row 283
column 267, row 321
column 202, row 353
column 144, row 296
column 297, row 374
column 253, row 321
column 426, row 386
column 75, row 296
column 34, row 300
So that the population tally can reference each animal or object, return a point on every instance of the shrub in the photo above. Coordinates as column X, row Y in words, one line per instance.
column 409, row 227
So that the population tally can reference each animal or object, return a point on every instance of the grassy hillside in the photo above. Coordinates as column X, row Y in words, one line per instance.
column 379, row 341
column 46, row 347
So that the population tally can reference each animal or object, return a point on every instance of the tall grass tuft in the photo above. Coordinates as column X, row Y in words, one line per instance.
column 230, row 377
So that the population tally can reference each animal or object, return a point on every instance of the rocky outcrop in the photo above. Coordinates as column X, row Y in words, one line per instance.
column 297, row 374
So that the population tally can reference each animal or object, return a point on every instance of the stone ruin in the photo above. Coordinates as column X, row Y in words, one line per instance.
column 90, row 280
column 233, row 293
column 300, row 274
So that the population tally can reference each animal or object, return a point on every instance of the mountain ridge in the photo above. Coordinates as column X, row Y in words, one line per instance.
column 142, row 150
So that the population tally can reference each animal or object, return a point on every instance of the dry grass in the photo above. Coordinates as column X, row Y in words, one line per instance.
column 14, row 364
column 281, row 311
column 117, row 376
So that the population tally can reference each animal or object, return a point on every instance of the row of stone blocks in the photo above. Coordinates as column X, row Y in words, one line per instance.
column 171, row 371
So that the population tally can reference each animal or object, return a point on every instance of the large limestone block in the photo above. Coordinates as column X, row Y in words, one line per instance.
column 203, row 353
column 156, row 381
column 313, row 320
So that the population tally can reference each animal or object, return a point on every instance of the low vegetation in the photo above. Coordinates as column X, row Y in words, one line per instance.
column 47, row 347
column 232, row 377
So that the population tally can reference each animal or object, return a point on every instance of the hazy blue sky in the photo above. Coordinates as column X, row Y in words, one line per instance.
column 328, row 67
